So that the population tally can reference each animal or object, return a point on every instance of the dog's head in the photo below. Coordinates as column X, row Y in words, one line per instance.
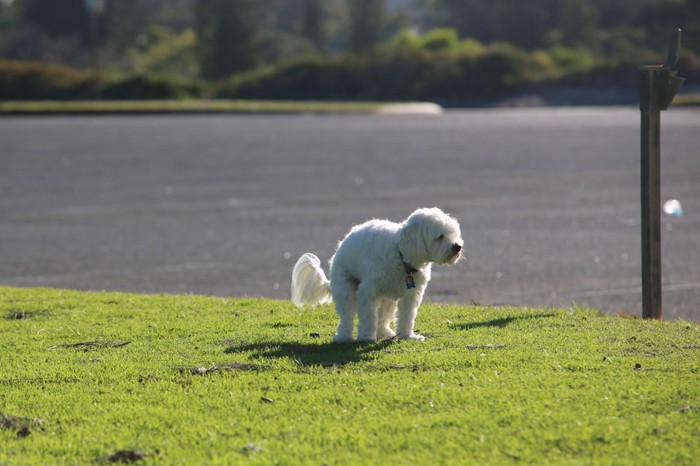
column 430, row 235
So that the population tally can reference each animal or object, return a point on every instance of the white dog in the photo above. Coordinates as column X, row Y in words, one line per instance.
column 379, row 267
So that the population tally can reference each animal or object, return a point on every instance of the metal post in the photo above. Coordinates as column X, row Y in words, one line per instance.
column 651, row 213
column 658, row 87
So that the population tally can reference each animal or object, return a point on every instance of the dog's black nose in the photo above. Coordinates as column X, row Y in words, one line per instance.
column 456, row 247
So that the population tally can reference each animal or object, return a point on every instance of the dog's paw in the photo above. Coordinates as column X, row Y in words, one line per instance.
column 385, row 334
column 412, row 336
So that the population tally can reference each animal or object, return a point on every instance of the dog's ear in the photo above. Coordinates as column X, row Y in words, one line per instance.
column 412, row 234
column 407, row 239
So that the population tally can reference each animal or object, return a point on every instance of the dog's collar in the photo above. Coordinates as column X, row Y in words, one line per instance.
column 408, row 267
column 410, row 270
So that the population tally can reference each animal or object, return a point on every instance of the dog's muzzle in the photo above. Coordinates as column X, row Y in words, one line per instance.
column 454, row 252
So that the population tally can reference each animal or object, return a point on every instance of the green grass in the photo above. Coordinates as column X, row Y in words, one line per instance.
column 92, row 377
column 183, row 106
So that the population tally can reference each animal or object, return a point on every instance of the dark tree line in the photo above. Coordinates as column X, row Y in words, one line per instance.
column 366, row 23
column 226, row 34
column 228, row 31
column 533, row 24
column 237, row 35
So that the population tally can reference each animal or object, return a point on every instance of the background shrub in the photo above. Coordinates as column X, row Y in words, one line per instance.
column 393, row 74
column 39, row 81
column 145, row 87
column 33, row 80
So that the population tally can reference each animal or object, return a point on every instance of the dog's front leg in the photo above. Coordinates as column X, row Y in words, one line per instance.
column 408, row 309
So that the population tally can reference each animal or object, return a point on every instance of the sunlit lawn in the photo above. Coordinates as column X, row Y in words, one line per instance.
column 94, row 377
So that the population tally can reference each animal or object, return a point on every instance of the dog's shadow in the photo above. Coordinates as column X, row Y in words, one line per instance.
column 339, row 354
column 311, row 354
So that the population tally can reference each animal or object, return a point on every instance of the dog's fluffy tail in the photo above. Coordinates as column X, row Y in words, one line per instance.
column 309, row 282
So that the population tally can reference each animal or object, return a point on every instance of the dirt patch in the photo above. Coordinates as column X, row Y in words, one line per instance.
column 16, row 314
column 489, row 346
column 127, row 456
column 200, row 370
column 21, row 424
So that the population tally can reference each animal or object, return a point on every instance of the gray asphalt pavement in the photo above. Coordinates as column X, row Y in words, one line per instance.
column 548, row 200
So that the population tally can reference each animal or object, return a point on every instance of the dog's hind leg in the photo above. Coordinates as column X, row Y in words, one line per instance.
column 345, row 298
column 368, row 314
column 387, row 312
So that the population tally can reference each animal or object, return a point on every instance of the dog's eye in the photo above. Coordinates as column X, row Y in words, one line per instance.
column 440, row 238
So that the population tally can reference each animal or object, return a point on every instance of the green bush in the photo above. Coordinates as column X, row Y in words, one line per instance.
column 164, row 52
column 505, row 68
column 145, row 87
column 392, row 74
column 571, row 59
column 440, row 39
column 38, row 81
column 689, row 66
column 305, row 79
column 470, row 46
column 404, row 40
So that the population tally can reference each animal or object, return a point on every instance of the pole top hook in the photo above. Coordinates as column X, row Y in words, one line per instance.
column 674, row 49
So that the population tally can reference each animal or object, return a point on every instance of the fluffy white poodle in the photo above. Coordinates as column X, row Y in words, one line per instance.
column 381, row 267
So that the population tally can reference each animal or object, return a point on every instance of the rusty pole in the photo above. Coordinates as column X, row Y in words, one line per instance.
column 658, row 86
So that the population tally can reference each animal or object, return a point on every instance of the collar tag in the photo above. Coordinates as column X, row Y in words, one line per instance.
column 410, row 270
column 410, row 282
